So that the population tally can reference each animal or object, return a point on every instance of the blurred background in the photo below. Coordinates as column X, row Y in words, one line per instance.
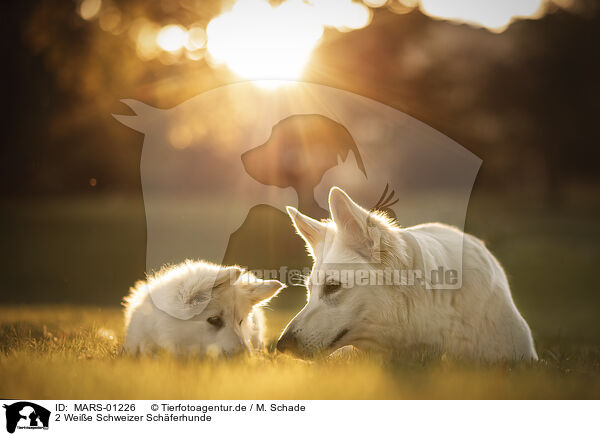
column 514, row 82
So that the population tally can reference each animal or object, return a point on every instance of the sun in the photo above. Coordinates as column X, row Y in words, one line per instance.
column 259, row 41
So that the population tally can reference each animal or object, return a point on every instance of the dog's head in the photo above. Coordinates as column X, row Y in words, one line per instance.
column 213, row 305
column 349, row 251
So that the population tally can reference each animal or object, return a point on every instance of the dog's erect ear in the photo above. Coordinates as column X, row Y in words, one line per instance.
column 348, row 216
column 259, row 291
column 353, row 223
column 311, row 230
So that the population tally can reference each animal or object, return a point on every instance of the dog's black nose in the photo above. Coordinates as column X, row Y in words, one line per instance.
column 287, row 343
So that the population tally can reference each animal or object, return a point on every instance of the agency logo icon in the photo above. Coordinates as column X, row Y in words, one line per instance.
column 26, row 415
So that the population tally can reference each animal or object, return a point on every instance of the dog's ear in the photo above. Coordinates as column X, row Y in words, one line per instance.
column 349, row 218
column 186, row 302
column 264, row 291
column 257, row 290
column 354, row 224
column 179, row 303
column 227, row 276
column 346, row 214
column 311, row 230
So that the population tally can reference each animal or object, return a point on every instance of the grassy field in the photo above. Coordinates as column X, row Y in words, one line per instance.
column 72, row 352
column 68, row 264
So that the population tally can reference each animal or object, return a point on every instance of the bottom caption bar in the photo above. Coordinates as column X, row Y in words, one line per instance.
column 299, row 417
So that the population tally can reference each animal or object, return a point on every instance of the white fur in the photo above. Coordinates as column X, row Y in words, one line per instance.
column 479, row 320
column 171, row 309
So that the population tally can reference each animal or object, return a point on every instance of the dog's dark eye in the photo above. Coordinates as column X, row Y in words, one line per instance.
column 330, row 288
column 240, row 323
column 216, row 321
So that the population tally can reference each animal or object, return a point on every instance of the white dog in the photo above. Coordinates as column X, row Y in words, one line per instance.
column 197, row 308
column 479, row 320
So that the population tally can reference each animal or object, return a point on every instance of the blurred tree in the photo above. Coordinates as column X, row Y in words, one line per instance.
column 523, row 100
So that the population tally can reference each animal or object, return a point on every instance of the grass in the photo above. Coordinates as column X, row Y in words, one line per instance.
column 71, row 352
column 71, row 261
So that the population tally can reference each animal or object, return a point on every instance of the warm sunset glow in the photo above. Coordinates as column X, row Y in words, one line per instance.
column 196, row 38
column 171, row 38
column 88, row 9
column 269, row 41
column 344, row 15
column 492, row 14
column 258, row 41
column 375, row 3
column 145, row 34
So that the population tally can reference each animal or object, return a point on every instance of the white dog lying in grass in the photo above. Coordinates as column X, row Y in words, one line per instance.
column 197, row 308
column 479, row 320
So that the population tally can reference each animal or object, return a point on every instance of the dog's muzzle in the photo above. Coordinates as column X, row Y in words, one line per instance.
column 288, row 343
